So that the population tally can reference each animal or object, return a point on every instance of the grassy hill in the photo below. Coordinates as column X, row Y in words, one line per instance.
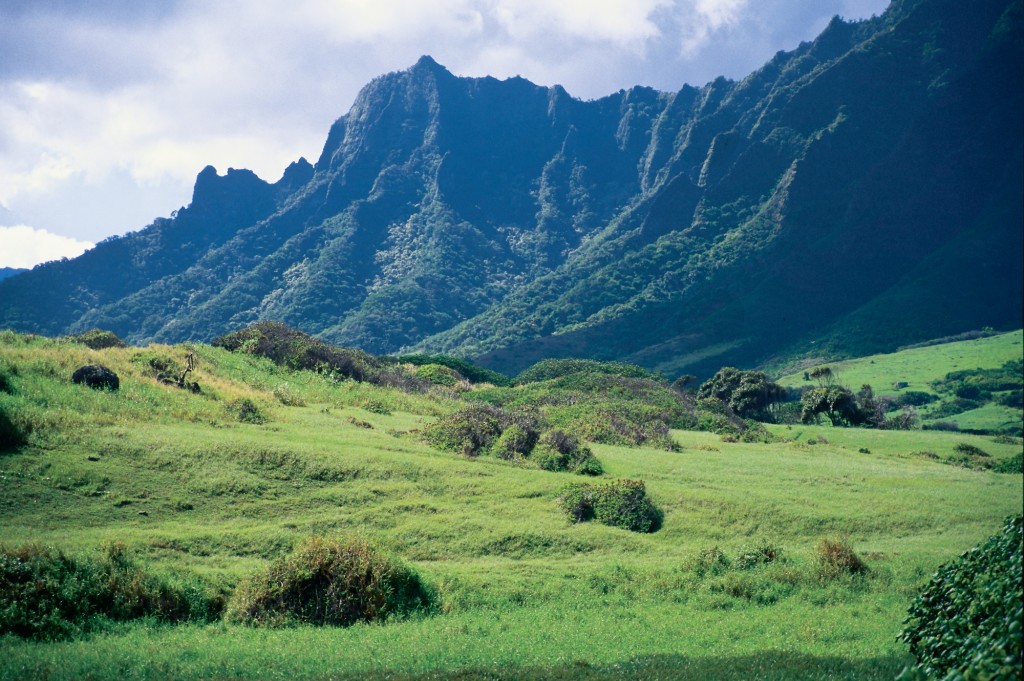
column 217, row 484
column 923, row 370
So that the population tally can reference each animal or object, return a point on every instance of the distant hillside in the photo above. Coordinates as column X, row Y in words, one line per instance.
column 10, row 272
column 856, row 194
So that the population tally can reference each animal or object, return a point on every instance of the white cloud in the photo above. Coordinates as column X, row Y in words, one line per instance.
column 703, row 18
column 24, row 246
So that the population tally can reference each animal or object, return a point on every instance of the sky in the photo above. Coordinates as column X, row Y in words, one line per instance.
column 110, row 108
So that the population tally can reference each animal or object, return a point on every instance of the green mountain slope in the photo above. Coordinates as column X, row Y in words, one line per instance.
column 861, row 191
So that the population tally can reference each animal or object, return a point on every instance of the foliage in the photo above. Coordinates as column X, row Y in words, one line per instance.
column 749, row 394
column 966, row 622
column 548, row 369
column 465, row 368
column 469, row 431
column 438, row 374
column 98, row 339
column 247, row 411
column 558, row 451
column 515, row 442
column 1015, row 464
column 836, row 557
column 330, row 582
column 835, row 402
column 296, row 350
column 47, row 594
column 620, row 503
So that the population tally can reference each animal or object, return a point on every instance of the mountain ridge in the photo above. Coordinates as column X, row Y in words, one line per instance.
column 509, row 222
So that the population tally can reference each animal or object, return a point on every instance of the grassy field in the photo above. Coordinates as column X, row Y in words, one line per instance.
column 918, row 367
column 521, row 593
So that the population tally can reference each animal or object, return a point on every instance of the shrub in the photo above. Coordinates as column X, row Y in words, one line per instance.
column 49, row 595
column 470, row 371
column 515, row 442
column 836, row 558
column 762, row 554
column 548, row 369
column 577, row 502
column 13, row 433
column 558, row 451
column 246, row 411
column 710, row 561
column 469, row 431
column 439, row 375
column 915, row 398
column 621, row 503
column 949, row 426
column 969, row 450
column 98, row 339
column 966, row 622
column 1015, row 464
column 330, row 582
column 288, row 397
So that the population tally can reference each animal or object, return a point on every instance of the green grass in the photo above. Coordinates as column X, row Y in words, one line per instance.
column 918, row 367
column 522, row 593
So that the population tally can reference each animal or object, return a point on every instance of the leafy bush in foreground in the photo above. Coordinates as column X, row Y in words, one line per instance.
column 46, row 594
column 966, row 623
column 330, row 582
column 548, row 369
column 621, row 503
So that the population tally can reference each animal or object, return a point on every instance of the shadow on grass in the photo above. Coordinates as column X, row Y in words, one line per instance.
column 767, row 666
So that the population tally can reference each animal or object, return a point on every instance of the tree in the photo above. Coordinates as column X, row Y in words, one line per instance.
column 834, row 401
column 749, row 394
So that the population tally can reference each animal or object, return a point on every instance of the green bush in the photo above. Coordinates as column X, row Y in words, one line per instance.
column 47, row 594
column 469, row 431
column 515, row 442
column 1015, row 464
column 98, row 339
column 13, row 434
column 559, row 451
column 966, row 623
column 621, row 503
column 548, row 369
column 439, row 375
column 836, row 558
column 470, row 371
column 710, row 561
column 330, row 582
column 246, row 411
column 762, row 554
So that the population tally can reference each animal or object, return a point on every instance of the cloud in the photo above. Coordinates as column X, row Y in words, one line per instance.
column 24, row 246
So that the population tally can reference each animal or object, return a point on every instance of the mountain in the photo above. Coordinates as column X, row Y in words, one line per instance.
column 10, row 272
column 858, row 193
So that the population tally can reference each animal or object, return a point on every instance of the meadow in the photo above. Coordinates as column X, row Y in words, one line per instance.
column 189, row 487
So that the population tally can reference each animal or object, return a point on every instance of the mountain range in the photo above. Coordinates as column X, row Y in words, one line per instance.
column 858, row 193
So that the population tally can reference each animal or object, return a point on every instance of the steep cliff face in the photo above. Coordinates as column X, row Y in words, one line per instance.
column 830, row 195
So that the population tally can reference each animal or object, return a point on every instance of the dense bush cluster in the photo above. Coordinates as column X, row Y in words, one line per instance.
column 97, row 339
column 749, row 394
column 836, row 558
column 47, row 594
column 620, row 503
column 966, row 623
column 548, row 369
column 330, row 582
column 297, row 350
column 468, row 370
column 481, row 429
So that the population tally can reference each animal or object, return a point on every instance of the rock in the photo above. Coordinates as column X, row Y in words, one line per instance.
column 96, row 376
